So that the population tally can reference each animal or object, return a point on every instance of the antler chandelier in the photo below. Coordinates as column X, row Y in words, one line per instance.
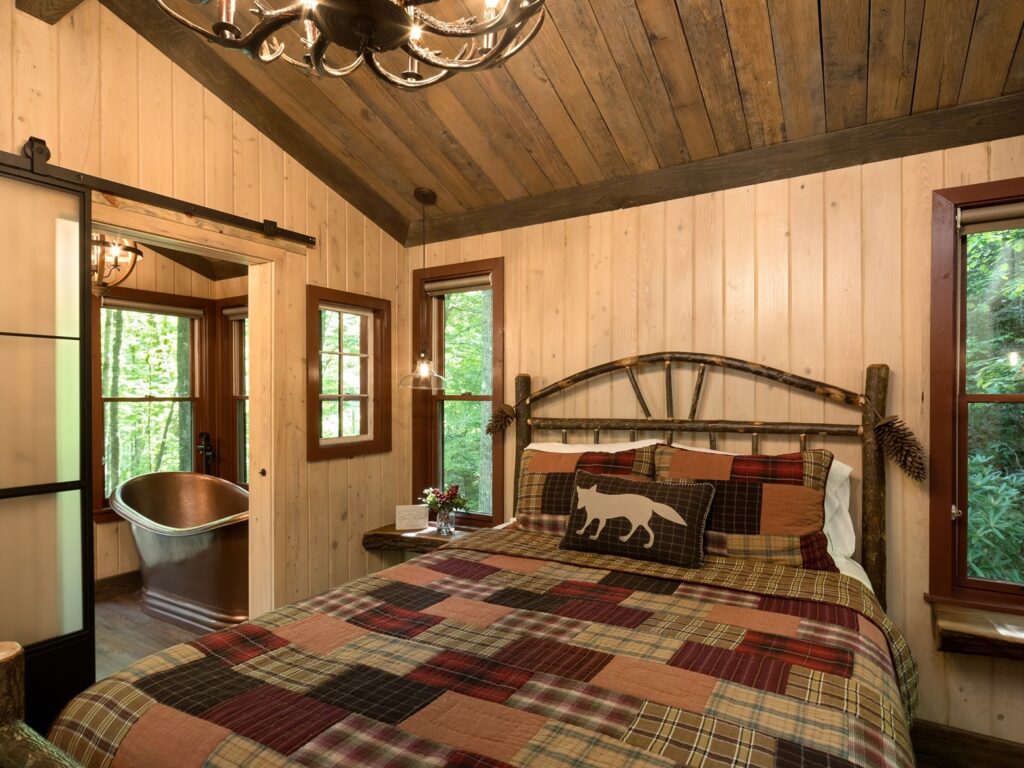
column 370, row 28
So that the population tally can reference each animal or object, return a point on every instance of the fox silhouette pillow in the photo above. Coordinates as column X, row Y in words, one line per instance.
column 661, row 522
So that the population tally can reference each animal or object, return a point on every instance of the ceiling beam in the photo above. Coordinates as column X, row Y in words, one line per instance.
column 50, row 11
column 955, row 126
column 209, row 65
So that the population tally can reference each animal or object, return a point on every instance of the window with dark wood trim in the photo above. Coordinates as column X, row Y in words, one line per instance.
column 348, row 395
column 977, row 396
column 460, row 306
column 232, row 386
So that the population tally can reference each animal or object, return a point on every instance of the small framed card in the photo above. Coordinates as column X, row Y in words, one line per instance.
column 411, row 517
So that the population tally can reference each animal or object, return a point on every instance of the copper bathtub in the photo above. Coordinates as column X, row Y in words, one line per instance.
column 192, row 532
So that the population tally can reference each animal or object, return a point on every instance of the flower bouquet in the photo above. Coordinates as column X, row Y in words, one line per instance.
column 444, row 505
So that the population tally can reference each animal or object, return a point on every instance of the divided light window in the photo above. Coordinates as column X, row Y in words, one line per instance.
column 348, row 345
column 148, row 392
column 462, row 305
column 238, row 348
column 984, row 547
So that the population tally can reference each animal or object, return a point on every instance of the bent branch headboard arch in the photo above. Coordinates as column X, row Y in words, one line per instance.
column 870, row 404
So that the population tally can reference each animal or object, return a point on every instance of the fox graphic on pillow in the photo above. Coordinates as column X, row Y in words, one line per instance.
column 638, row 510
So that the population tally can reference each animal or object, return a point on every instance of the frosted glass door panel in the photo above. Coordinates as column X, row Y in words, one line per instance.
column 41, row 561
column 41, row 234
column 39, row 411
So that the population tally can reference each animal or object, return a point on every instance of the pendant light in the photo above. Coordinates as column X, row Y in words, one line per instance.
column 112, row 260
column 423, row 375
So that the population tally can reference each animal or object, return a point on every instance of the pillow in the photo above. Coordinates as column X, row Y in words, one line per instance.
column 765, row 507
column 839, row 530
column 645, row 520
column 546, row 482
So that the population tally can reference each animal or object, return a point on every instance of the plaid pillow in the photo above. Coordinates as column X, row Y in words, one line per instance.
column 765, row 507
column 546, row 482
column 642, row 519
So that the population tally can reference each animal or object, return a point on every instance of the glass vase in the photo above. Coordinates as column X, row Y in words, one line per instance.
column 446, row 522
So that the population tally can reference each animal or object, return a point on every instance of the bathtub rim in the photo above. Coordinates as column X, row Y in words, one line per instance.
column 130, row 514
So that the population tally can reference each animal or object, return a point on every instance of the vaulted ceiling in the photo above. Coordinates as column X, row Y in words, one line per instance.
column 619, row 102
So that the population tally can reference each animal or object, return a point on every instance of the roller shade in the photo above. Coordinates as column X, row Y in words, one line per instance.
column 457, row 284
column 235, row 312
column 159, row 309
column 991, row 218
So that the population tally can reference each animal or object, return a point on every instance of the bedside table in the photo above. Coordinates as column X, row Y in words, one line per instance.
column 410, row 541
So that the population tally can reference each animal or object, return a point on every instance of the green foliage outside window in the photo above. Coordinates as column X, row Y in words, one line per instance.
column 468, row 364
column 147, row 357
column 995, row 356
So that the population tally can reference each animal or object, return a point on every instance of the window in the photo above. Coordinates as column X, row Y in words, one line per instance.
column 461, row 309
column 977, row 485
column 148, row 389
column 233, row 385
column 349, row 382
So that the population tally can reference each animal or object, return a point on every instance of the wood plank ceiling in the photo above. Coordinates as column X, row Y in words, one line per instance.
column 619, row 102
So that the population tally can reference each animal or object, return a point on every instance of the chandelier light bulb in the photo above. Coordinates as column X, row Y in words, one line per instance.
column 490, row 4
column 416, row 33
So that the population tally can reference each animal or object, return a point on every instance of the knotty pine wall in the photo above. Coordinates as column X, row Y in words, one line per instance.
column 108, row 103
column 821, row 275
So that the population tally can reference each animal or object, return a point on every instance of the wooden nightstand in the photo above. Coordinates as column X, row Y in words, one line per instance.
column 409, row 541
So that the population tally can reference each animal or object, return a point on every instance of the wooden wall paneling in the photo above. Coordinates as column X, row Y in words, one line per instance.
column 708, row 296
column 704, row 26
column 1006, row 159
column 550, row 303
column 389, row 477
column 844, row 345
column 375, row 504
column 672, row 52
column 401, row 399
column 218, row 153
column 145, row 270
column 966, row 165
column 895, row 37
column 575, row 273
column 582, row 35
column 127, row 554
column 631, row 50
column 453, row 250
column 624, row 311
column 750, row 36
column 921, row 174
column 78, row 141
column 540, row 94
column 807, row 291
column 991, row 49
column 740, row 307
column 680, row 287
column 245, row 163
column 156, row 123
column 34, row 82
column 105, row 550
column 772, row 239
column 187, row 124
column 358, row 489
column 532, row 307
column 945, row 34
column 510, row 249
column 1007, row 698
column 7, row 77
column 182, row 280
column 882, row 271
column 164, row 278
column 599, row 317
column 336, row 241
column 650, row 300
column 844, row 47
column 119, row 101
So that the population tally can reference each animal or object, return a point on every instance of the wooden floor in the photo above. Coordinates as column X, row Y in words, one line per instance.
column 124, row 634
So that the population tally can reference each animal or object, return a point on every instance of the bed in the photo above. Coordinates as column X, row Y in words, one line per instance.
column 504, row 648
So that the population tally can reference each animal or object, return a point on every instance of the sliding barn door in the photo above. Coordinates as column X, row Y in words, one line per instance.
column 45, row 519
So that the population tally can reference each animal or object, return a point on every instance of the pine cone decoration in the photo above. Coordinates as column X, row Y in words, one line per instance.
column 500, row 419
column 901, row 445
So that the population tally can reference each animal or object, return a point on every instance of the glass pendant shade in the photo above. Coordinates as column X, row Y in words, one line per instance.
column 112, row 260
column 423, row 376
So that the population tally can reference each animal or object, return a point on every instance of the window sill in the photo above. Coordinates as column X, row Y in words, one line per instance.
column 978, row 631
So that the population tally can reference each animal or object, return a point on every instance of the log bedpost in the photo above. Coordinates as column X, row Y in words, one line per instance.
column 873, row 459
column 523, row 430
column 12, row 683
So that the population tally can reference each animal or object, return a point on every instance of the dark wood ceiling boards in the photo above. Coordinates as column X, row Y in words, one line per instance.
column 618, row 101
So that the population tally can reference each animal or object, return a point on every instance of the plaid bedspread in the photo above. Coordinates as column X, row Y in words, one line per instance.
column 503, row 650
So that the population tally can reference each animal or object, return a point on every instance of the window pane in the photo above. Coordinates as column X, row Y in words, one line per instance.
column 467, row 342
column 329, row 321
column 354, row 375
column 352, row 338
column 243, row 375
column 467, row 451
column 329, row 374
column 145, row 437
column 995, row 311
column 329, row 419
column 995, row 492
column 352, row 410
column 242, row 440
column 145, row 354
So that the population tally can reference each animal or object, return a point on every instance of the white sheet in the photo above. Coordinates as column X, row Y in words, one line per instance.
column 850, row 567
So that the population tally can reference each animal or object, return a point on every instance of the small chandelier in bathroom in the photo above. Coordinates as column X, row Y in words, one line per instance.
column 112, row 260
column 308, row 34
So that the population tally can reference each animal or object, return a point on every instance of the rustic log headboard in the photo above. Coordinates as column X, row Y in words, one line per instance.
column 870, row 404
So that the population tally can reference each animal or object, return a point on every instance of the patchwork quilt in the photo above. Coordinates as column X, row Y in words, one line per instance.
column 503, row 650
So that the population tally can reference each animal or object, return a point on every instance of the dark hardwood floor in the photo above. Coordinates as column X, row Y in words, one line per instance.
column 124, row 634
